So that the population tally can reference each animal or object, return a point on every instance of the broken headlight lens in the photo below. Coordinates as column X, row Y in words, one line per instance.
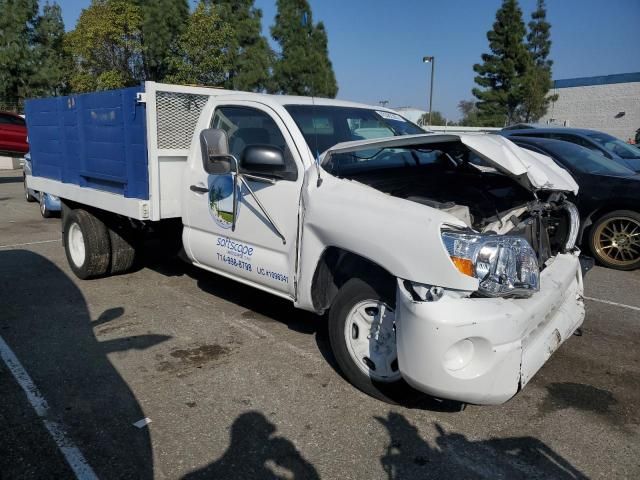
column 504, row 265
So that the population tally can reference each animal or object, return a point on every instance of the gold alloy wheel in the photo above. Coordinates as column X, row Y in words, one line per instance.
column 617, row 241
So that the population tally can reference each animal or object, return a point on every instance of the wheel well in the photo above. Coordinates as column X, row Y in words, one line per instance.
column 335, row 267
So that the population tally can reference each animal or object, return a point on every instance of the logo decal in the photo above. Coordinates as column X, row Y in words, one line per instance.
column 221, row 199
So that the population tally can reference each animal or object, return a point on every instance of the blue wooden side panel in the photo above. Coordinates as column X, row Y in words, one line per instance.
column 96, row 140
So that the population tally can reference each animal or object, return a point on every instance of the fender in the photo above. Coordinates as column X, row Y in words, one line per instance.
column 402, row 237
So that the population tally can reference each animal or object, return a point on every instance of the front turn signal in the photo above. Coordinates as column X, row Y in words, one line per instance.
column 464, row 265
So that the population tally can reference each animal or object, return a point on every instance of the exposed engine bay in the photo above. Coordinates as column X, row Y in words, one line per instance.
column 452, row 178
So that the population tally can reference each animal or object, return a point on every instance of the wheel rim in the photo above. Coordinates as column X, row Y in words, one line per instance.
column 371, row 340
column 618, row 241
column 26, row 191
column 43, row 206
column 76, row 244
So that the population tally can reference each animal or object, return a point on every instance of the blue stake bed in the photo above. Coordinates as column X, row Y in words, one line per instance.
column 94, row 140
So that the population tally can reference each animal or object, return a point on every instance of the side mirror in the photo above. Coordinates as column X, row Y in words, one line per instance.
column 262, row 159
column 216, row 158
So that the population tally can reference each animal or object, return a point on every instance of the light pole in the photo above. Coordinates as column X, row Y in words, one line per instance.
column 432, row 61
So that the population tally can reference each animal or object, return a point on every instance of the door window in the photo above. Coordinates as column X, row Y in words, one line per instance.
column 247, row 126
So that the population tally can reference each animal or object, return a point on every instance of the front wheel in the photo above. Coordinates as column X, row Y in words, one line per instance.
column 615, row 240
column 363, row 338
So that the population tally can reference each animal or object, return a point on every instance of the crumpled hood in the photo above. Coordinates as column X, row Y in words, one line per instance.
column 532, row 170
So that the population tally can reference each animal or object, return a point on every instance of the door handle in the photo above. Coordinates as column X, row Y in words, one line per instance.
column 198, row 189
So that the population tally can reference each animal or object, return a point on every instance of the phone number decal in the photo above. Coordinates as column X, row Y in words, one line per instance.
column 234, row 262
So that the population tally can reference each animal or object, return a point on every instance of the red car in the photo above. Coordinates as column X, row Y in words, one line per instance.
column 13, row 133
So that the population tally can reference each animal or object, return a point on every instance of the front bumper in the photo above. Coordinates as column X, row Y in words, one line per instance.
column 482, row 350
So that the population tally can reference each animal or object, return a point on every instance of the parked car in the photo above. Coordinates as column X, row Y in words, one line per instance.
column 608, row 201
column 13, row 134
column 50, row 205
column 609, row 146
column 432, row 271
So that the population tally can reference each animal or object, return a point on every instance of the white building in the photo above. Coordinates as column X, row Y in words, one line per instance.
column 609, row 103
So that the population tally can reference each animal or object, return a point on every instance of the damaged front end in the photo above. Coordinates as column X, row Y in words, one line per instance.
column 512, row 229
column 510, row 250
column 550, row 226
column 513, row 203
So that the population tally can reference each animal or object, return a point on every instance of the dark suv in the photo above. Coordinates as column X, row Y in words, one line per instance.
column 609, row 146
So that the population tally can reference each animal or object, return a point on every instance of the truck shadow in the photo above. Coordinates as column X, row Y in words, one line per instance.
column 46, row 322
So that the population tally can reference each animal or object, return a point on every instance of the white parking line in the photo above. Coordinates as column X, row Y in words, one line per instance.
column 71, row 453
column 608, row 302
column 29, row 243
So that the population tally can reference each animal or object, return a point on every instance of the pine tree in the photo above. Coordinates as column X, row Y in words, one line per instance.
column 303, row 66
column 17, row 25
column 200, row 57
column 52, row 64
column 248, row 53
column 163, row 22
column 538, row 80
column 325, row 82
column 501, row 75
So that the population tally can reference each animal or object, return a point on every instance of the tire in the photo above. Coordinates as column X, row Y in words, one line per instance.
column 123, row 249
column 357, row 294
column 614, row 240
column 44, row 211
column 86, row 243
column 30, row 198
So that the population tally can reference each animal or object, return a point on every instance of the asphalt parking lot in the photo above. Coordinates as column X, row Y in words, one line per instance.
column 237, row 384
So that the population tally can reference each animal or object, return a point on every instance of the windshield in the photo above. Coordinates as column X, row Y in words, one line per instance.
column 615, row 146
column 325, row 126
column 587, row 161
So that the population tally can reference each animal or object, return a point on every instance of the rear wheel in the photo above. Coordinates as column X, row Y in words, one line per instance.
column 615, row 240
column 44, row 211
column 123, row 249
column 86, row 243
column 30, row 198
column 362, row 336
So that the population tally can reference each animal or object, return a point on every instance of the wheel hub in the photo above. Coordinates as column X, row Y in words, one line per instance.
column 76, row 244
column 371, row 340
column 618, row 241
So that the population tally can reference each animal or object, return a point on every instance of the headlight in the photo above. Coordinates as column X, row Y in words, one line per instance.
column 504, row 265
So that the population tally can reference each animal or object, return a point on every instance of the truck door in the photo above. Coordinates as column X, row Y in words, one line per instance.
column 261, row 250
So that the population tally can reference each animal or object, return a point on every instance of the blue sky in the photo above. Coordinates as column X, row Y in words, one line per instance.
column 377, row 46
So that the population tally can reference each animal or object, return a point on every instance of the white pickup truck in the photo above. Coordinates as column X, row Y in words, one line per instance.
column 444, row 261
